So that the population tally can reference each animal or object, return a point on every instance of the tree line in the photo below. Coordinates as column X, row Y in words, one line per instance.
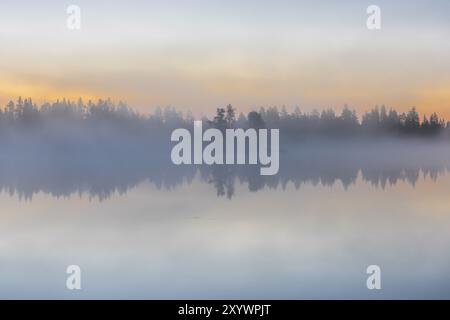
column 380, row 121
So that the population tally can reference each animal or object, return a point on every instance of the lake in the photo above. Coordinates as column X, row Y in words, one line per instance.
column 228, row 233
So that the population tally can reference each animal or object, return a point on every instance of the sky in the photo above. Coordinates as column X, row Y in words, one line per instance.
column 199, row 55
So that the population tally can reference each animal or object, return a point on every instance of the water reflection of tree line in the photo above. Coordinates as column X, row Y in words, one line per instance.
column 100, row 176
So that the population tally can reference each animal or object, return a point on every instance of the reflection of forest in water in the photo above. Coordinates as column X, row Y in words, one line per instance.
column 100, row 172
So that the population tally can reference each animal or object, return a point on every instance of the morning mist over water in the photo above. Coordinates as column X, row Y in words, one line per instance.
column 67, row 148
column 94, row 183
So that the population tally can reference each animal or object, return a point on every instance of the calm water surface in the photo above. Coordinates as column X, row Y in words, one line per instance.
column 309, row 241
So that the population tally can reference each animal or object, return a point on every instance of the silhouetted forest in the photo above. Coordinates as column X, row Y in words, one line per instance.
column 101, row 148
column 65, row 117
